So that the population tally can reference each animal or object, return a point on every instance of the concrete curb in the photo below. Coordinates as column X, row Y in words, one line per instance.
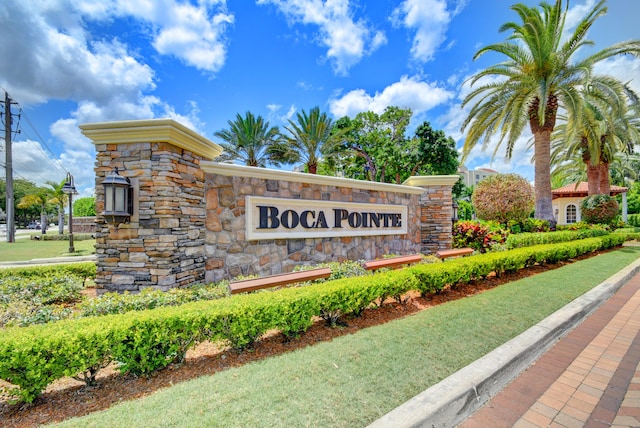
column 458, row 396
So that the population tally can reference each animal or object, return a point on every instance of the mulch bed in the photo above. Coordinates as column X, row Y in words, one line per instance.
column 67, row 398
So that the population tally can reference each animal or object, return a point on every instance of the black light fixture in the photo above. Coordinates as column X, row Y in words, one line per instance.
column 118, row 198
column 454, row 213
column 69, row 189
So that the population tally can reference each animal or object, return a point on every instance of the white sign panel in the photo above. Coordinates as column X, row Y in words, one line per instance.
column 276, row 218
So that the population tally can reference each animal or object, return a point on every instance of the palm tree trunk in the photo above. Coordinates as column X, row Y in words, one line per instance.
column 605, row 183
column 43, row 222
column 312, row 168
column 60, row 220
column 542, row 143
column 593, row 178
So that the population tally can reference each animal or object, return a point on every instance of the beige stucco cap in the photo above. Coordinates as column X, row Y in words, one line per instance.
column 432, row 180
column 301, row 177
column 151, row 131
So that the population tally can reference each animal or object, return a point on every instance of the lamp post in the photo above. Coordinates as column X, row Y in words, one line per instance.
column 454, row 213
column 69, row 189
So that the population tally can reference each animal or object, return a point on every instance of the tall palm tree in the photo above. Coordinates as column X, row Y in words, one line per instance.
column 312, row 136
column 252, row 141
column 607, row 128
column 539, row 76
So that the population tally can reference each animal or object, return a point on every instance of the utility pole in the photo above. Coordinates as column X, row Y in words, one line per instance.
column 9, row 169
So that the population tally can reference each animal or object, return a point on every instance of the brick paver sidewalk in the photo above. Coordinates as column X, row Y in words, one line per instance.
column 589, row 378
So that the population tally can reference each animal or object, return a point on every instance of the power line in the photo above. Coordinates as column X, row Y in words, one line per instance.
column 42, row 143
column 51, row 158
column 3, row 165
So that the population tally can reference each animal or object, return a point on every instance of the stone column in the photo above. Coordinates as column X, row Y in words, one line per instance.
column 436, row 211
column 163, row 244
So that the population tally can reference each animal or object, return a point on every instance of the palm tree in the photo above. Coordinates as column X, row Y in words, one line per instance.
column 252, row 141
column 59, row 199
column 538, row 77
column 312, row 136
column 38, row 199
column 607, row 128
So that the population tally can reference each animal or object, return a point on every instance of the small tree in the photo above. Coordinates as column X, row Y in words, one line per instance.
column 599, row 209
column 84, row 207
column 503, row 198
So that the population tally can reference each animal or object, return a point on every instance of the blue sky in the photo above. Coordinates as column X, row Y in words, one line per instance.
column 68, row 62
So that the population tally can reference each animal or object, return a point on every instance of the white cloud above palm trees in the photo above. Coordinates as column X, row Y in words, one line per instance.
column 347, row 41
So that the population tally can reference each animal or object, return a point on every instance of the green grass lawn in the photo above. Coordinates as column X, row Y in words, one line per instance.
column 26, row 249
column 355, row 379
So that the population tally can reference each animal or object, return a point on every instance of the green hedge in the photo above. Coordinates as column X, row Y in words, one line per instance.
column 84, row 270
column 142, row 342
column 528, row 239
column 64, row 237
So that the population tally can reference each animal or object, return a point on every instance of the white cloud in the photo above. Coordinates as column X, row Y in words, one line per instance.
column 348, row 41
column 193, row 35
column 55, row 58
column 409, row 92
column 274, row 113
column 430, row 20
column 624, row 68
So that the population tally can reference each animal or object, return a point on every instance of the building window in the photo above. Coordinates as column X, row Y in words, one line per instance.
column 572, row 213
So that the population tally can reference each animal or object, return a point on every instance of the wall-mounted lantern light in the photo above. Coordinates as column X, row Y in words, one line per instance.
column 69, row 189
column 454, row 211
column 118, row 198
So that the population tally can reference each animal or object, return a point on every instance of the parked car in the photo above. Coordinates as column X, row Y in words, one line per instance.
column 34, row 225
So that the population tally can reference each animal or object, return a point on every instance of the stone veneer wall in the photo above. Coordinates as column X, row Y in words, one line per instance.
column 163, row 245
column 84, row 224
column 230, row 255
column 435, row 218
column 188, row 224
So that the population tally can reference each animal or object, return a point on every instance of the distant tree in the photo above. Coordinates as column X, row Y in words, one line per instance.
column 252, row 141
column 378, row 143
column 633, row 199
column 84, row 207
column 59, row 199
column 436, row 155
column 503, row 198
column 38, row 199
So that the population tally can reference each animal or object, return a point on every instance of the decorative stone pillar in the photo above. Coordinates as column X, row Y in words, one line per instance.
column 163, row 244
column 436, row 211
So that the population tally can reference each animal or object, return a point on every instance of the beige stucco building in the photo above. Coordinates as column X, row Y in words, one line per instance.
column 567, row 200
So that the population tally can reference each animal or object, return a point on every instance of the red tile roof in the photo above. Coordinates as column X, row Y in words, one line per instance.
column 581, row 189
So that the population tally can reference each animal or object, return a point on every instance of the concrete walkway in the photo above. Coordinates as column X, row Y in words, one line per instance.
column 578, row 367
column 588, row 378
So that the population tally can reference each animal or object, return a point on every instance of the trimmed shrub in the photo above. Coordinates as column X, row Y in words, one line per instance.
column 503, row 198
column 529, row 239
column 142, row 342
column 633, row 220
column 86, row 270
column 64, row 237
column 601, row 209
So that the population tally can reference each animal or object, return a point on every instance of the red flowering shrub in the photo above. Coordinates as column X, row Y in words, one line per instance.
column 479, row 236
column 503, row 198
column 599, row 209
